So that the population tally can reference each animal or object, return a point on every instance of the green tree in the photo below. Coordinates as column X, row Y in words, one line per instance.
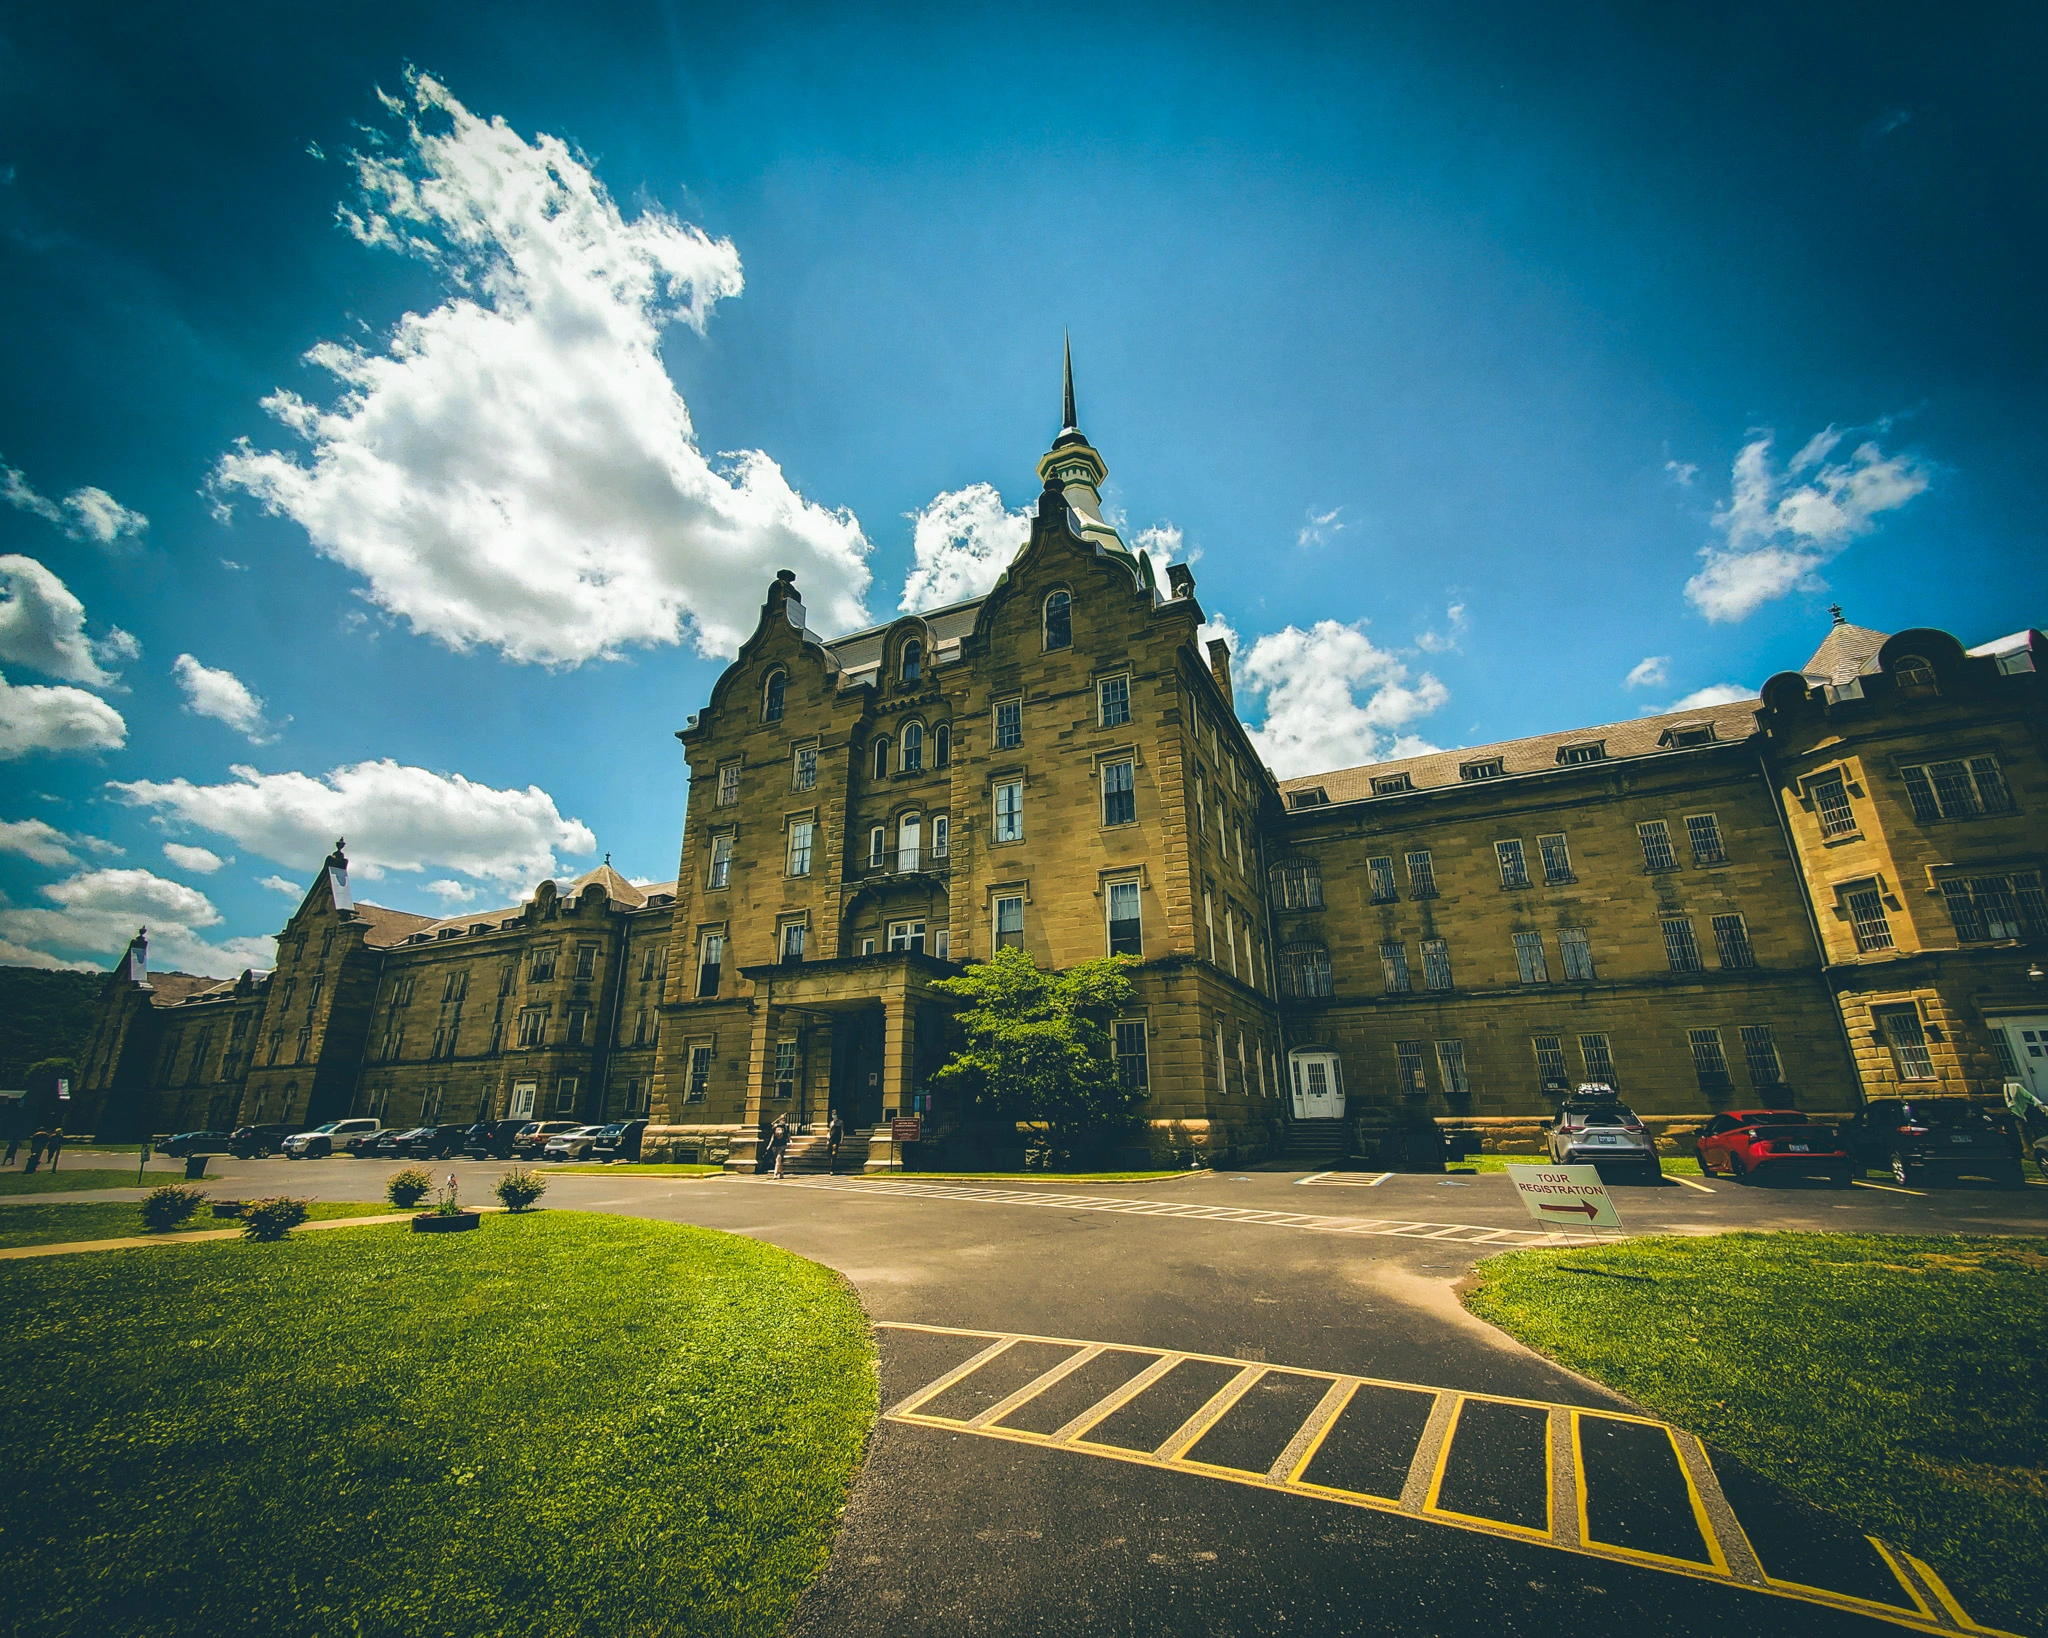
column 1038, row 1046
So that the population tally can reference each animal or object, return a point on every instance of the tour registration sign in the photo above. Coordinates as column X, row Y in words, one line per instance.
column 1565, row 1197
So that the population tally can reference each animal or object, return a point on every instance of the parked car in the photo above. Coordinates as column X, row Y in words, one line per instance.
column 492, row 1139
column 393, row 1144
column 1923, row 1139
column 259, row 1142
column 435, row 1142
column 532, row 1138
column 1594, row 1127
column 196, row 1143
column 619, row 1141
column 324, row 1140
column 1750, row 1145
column 363, row 1145
column 574, row 1144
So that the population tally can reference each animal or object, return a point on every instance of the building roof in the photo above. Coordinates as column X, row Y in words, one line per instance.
column 1638, row 737
column 173, row 989
column 387, row 926
column 861, row 651
column 617, row 888
column 1846, row 651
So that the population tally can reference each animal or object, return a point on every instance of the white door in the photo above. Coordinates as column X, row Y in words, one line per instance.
column 522, row 1099
column 1318, row 1086
column 908, row 835
column 2027, row 1039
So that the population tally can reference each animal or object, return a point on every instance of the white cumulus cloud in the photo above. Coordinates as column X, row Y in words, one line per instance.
column 98, row 911
column 1448, row 640
column 34, row 718
column 224, row 697
column 961, row 542
column 45, row 844
column 277, row 884
column 1333, row 698
column 42, row 626
column 395, row 817
column 451, row 892
column 515, row 469
column 1778, row 528
column 1652, row 671
column 1721, row 693
column 200, row 860
column 87, row 513
column 1320, row 526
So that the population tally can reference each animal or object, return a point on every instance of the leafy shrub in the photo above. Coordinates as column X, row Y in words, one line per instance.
column 272, row 1219
column 409, row 1187
column 165, row 1208
column 520, row 1188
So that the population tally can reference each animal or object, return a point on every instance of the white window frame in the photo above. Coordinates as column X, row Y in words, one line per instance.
column 1009, row 811
column 801, row 832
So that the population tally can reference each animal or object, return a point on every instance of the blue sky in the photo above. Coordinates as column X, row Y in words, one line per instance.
column 1444, row 340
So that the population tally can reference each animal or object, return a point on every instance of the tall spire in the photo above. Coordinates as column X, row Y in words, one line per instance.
column 1069, row 421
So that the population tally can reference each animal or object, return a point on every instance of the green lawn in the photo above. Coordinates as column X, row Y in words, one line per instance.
column 559, row 1423
column 633, row 1168
column 63, row 1180
column 1893, row 1380
column 112, row 1219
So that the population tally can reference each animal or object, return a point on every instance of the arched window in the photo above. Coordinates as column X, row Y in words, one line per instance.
column 913, row 660
column 1913, row 672
column 1305, row 970
column 913, row 747
column 1059, row 621
column 1298, row 884
column 909, row 842
column 882, row 757
column 942, row 746
column 771, row 697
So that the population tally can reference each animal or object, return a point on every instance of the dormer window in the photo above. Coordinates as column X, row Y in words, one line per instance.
column 1491, row 768
column 771, row 696
column 913, row 661
column 1392, row 784
column 1059, row 621
column 1592, row 750
column 1913, row 672
column 1314, row 797
column 1686, row 733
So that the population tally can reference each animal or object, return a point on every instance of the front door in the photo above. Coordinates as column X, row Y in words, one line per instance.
column 1318, row 1089
column 2027, row 1040
column 857, row 1066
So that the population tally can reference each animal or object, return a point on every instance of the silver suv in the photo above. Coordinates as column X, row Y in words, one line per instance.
column 324, row 1140
column 1594, row 1127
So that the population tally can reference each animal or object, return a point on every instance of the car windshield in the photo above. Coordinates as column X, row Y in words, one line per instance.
column 1604, row 1114
column 1776, row 1117
column 1945, row 1112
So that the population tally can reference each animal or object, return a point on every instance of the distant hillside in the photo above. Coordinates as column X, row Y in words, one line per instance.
column 45, row 1014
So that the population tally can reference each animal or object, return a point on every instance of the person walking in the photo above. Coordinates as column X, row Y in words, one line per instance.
column 835, row 1129
column 764, row 1144
column 56, row 1146
column 13, row 1146
column 36, row 1145
column 780, row 1138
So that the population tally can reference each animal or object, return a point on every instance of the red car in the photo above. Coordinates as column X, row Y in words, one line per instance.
column 1746, row 1144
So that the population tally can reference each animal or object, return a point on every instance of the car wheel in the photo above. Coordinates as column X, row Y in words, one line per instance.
column 1903, row 1170
column 1739, row 1173
column 1699, row 1159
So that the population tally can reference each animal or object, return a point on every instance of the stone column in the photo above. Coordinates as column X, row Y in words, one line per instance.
column 745, row 1156
column 898, row 1060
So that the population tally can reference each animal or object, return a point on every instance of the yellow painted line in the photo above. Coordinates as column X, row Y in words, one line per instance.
column 1899, row 1574
column 1431, row 1509
column 1069, row 1433
column 1889, row 1188
column 1689, row 1183
column 1708, row 1539
column 1947, row 1599
column 1036, row 1386
column 1309, row 1437
column 964, row 1369
column 1183, row 1438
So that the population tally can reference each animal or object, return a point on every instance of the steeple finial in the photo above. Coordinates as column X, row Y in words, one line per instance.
column 1836, row 610
column 1069, row 421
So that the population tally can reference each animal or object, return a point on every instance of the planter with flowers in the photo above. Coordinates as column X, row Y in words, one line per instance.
column 448, row 1215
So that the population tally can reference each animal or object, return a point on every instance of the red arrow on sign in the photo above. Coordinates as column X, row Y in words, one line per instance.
column 1592, row 1211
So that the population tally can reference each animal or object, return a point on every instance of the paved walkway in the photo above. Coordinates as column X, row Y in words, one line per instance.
column 14, row 1253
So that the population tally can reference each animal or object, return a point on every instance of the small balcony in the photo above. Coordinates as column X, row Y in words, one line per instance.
column 909, row 861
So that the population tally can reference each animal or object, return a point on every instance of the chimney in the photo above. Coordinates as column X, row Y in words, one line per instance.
column 1180, row 580
column 1219, row 668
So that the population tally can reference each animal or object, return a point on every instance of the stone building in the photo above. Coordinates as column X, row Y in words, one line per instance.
column 1831, row 891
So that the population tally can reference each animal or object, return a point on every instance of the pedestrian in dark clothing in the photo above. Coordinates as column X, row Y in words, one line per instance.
column 13, row 1146
column 764, row 1145
column 56, row 1146
column 36, row 1145
column 780, row 1139
column 834, row 1131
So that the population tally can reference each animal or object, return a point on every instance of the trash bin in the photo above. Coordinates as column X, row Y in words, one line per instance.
column 195, row 1167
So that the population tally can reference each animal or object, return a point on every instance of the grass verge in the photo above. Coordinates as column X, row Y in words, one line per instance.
column 115, row 1219
column 63, row 1182
column 557, row 1423
column 633, row 1168
column 1891, row 1379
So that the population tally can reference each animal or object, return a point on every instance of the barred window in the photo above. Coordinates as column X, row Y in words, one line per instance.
column 1394, row 963
column 1656, row 839
column 1731, row 939
column 1436, row 964
column 1900, row 1027
column 1529, row 958
column 1298, row 884
column 1577, row 953
column 700, row 1073
column 1379, row 873
column 1957, row 789
column 1557, row 858
column 1450, row 1062
column 1681, row 949
column 1305, row 969
column 1708, row 1060
column 1514, row 869
column 1703, row 830
column 1766, row 1074
column 1867, row 918
column 1132, row 1066
column 1997, row 907
column 1831, row 802
column 533, row 1026
column 1599, row 1060
column 1114, row 695
column 1421, row 876
column 1408, row 1076
column 1550, row 1064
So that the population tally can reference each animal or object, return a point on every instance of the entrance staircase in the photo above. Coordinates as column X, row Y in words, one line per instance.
column 1318, row 1144
column 811, row 1152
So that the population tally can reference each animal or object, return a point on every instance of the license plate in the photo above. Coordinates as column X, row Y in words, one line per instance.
column 1608, row 1140
column 1959, row 1137
column 1799, row 1148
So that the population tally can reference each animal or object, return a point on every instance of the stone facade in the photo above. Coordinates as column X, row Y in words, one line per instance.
column 1815, row 897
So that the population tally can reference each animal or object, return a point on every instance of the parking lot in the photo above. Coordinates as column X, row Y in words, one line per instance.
column 1251, row 1402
